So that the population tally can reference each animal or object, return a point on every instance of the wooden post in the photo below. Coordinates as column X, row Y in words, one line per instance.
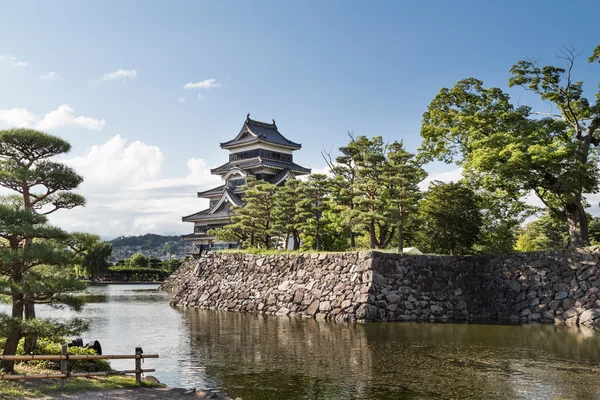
column 64, row 366
column 138, row 364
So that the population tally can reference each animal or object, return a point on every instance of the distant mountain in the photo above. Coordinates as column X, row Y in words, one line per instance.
column 145, row 242
column 150, row 245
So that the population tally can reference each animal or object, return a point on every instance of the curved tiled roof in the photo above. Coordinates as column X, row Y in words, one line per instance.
column 257, row 162
column 256, row 131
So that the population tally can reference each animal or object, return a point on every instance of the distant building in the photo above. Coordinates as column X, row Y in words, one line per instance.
column 259, row 150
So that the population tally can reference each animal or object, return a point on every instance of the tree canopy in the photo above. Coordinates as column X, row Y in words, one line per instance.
column 516, row 150
column 38, row 268
column 449, row 218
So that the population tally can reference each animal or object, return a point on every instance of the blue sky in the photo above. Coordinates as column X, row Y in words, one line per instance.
column 318, row 68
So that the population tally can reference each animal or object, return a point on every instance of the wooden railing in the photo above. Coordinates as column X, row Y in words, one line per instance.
column 64, row 359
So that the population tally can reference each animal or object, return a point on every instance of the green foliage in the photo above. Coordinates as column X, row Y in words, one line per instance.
column 46, row 346
column 333, row 233
column 502, row 214
column 403, row 175
column 138, row 260
column 51, row 329
column 450, row 219
column 344, row 170
column 92, row 254
column 171, row 265
column 135, row 274
column 372, row 211
column 33, row 255
column 253, row 222
column 229, row 234
column 312, row 202
column 286, row 218
column 594, row 229
column 515, row 151
column 545, row 233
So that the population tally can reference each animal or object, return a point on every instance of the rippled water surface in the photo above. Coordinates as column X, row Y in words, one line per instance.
column 268, row 357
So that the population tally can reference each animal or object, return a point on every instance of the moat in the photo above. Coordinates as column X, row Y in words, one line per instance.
column 268, row 357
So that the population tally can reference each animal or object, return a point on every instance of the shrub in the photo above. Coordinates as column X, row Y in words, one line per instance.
column 48, row 347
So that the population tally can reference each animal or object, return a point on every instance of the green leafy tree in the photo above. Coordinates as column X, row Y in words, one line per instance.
column 334, row 233
column 546, row 233
column 450, row 218
column 286, row 220
column 138, row 260
column 312, row 204
column 42, row 185
column 502, row 215
column 403, row 175
column 171, row 265
column 594, row 229
column 91, row 254
column 515, row 149
column 35, row 266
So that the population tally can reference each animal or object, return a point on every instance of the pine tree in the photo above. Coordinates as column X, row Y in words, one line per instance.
column 312, row 204
column 345, row 170
column 42, row 185
column 36, row 266
column 286, row 219
column 403, row 176
column 373, row 206
column 256, row 217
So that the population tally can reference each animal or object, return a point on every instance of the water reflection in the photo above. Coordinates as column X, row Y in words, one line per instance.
column 259, row 357
column 267, row 357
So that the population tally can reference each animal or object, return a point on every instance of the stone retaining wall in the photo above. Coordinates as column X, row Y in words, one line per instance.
column 560, row 287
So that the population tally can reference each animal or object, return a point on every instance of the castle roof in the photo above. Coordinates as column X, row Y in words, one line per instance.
column 260, row 132
column 257, row 162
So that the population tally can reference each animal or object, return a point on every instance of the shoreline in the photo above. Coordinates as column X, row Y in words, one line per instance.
column 126, row 283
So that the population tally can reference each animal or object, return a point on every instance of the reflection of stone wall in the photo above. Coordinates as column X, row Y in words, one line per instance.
column 561, row 287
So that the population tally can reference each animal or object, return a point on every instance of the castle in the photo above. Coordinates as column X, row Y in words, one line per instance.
column 258, row 150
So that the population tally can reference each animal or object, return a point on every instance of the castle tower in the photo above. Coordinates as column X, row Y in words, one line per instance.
column 258, row 150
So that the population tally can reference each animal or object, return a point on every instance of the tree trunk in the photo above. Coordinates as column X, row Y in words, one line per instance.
column 14, row 333
column 29, row 302
column 352, row 240
column 296, row 241
column 30, row 340
column 372, row 239
column 400, row 238
column 577, row 224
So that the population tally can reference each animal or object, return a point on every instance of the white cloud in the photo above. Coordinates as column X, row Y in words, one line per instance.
column 126, row 194
column 446, row 176
column 49, row 76
column 181, row 99
column 17, row 117
column 12, row 60
column 118, row 162
column 205, row 84
column 198, row 172
column 120, row 74
column 63, row 116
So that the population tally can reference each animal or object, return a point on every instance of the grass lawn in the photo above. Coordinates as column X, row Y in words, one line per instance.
column 10, row 390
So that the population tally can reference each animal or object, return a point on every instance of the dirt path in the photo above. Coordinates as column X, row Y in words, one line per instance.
column 139, row 394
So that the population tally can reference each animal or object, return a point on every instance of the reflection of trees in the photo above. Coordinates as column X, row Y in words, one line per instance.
column 265, row 357
column 286, row 358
